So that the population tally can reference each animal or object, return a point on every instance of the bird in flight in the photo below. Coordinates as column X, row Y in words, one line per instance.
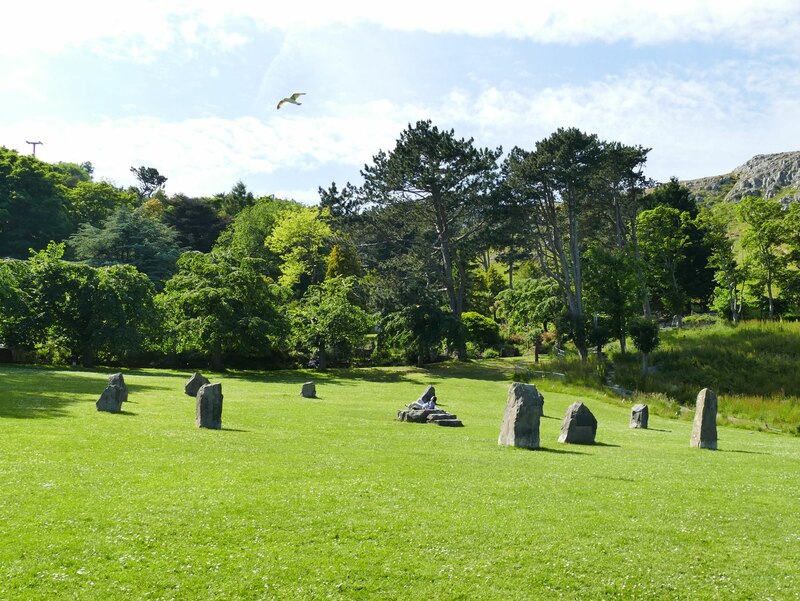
column 293, row 99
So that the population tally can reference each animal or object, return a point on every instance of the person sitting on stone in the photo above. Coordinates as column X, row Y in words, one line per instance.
column 423, row 404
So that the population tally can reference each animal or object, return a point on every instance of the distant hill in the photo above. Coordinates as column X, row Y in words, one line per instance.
column 767, row 175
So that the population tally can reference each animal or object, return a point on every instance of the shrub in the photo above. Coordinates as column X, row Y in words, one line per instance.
column 480, row 330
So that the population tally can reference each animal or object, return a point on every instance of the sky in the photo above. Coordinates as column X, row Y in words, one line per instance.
column 190, row 87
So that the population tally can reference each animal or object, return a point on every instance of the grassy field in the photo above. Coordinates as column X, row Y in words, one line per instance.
column 331, row 498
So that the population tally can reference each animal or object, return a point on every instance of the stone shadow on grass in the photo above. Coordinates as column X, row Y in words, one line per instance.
column 46, row 393
column 742, row 451
column 557, row 451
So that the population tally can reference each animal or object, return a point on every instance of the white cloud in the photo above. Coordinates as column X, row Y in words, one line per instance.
column 143, row 29
column 697, row 123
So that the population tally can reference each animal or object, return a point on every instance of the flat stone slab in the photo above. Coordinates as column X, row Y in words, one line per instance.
column 453, row 423
column 436, row 417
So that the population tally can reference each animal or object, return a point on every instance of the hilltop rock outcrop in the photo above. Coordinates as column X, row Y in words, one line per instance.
column 767, row 175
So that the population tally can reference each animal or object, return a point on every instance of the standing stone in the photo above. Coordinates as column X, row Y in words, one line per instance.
column 524, row 408
column 309, row 390
column 112, row 398
column 429, row 393
column 640, row 413
column 118, row 381
column 704, row 431
column 579, row 425
column 209, row 407
column 195, row 382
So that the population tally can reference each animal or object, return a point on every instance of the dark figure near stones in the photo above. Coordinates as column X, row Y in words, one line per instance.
column 524, row 408
column 195, row 382
column 209, row 407
column 640, row 414
column 579, row 425
column 114, row 395
column 704, row 430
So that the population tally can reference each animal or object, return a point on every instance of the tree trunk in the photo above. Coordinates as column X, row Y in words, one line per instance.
column 771, row 301
column 644, row 363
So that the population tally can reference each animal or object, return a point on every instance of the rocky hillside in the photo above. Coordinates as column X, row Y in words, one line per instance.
column 767, row 175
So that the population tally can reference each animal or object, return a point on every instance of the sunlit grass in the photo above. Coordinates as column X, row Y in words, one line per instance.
column 332, row 498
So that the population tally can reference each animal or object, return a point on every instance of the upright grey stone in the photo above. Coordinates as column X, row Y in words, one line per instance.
column 429, row 393
column 195, row 382
column 118, row 381
column 524, row 408
column 579, row 425
column 209, row 407
column 640, row 413
column 309, row 390
column 112, row 398
column 704, row 431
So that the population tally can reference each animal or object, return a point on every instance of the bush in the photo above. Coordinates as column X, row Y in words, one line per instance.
column 491, row 353
column 480, row 330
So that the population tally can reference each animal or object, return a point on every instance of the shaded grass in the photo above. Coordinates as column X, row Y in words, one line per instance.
column 332, row 498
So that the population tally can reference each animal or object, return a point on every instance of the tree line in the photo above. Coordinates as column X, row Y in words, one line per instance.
column 444, row 249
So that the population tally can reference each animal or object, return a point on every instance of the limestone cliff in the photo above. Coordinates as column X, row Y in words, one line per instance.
column 767, row 175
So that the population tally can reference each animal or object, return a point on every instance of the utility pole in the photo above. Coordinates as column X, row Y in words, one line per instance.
column 34, row 146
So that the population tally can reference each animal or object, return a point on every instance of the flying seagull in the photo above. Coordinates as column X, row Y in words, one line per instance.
column 293, row 99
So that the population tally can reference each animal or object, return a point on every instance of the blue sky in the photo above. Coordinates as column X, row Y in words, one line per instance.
column 191, row 87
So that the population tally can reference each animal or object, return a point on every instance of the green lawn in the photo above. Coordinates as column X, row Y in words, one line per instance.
column 332, row 498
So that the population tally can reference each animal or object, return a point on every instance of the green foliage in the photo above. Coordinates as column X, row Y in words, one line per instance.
column 612, row 289
column 217, row 306
column 530, row 304
column 301, row 238
column 232, row 203
column 645, row 334
column 93, row 202
column 444, row 187
column 326, row 318
column 246, row 235
column 663, row 239
column 480, row 330
column 33, row 204
column 194, row 220
column 765, row 234
column 67, row 310
column 150, row 181
column 343, row 260
column 414, row 333
column 128, row 237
